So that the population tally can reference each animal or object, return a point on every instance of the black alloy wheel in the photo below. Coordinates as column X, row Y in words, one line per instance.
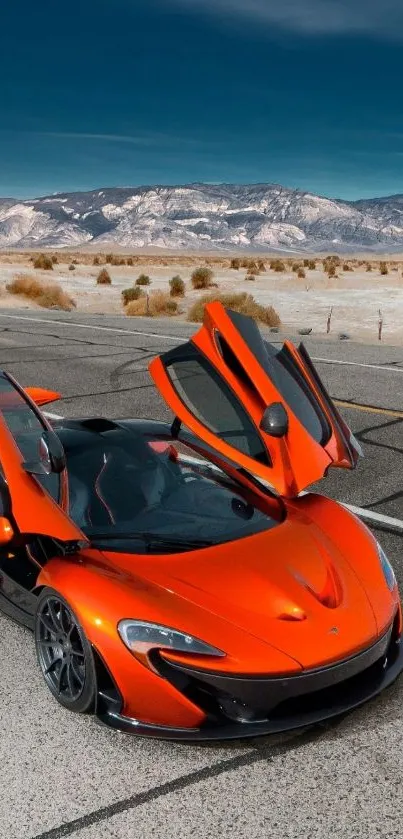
column 64, row 654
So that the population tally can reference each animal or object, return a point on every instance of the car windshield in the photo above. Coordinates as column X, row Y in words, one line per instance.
column 141, row 493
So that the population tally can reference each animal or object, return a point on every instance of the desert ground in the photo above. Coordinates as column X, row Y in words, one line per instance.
column 303, row 301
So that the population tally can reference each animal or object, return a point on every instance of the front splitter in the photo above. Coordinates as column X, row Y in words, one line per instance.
column 236, row 731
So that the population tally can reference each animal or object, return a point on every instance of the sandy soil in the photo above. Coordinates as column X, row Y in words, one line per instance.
column 356, row 296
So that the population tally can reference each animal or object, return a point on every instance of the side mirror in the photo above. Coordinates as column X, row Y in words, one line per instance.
column 275, row 420
column 6, row 531
column 51, row 456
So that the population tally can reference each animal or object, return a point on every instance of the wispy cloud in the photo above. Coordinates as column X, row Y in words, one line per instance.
column 145, row 139
column 313, row 17
column 141, row 139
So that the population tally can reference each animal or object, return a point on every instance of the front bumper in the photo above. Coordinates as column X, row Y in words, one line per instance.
column 278, row 704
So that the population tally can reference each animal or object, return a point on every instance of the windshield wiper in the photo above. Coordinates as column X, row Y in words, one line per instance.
column 151, row 539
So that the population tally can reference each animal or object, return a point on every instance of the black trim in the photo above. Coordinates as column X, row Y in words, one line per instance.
column 367, row 684
column 11, row 610
column 342, row 427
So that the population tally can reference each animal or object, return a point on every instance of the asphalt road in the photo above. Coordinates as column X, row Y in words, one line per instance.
column 62, row 775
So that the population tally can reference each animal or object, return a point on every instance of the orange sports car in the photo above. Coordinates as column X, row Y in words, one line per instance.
column 178, row 580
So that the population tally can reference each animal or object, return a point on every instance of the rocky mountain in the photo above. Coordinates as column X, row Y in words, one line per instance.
column 259, row 217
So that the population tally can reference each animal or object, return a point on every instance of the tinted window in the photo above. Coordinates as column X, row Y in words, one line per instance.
column 123, row 484
column 279, row 366
column 210, row 400
column 27, row 430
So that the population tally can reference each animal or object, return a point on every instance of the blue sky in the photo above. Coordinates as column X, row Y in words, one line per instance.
column 306, row 93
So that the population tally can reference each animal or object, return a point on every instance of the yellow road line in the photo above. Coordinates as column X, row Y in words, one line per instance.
column 369, row 409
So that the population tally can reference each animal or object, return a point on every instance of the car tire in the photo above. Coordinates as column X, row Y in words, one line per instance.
column 64, row 653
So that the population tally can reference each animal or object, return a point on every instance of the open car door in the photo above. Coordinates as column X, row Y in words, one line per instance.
column 262, row 408
column 33, row 476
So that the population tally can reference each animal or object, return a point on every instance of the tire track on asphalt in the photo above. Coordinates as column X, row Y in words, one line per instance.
column 253, row 756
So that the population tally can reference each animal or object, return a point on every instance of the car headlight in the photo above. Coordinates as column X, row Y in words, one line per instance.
column 141, row 637
column 387, row 569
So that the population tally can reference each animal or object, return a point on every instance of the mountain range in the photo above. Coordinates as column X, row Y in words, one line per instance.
column 211, row 217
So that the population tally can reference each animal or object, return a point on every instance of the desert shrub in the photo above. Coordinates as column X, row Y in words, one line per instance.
column 311, row 264
column 277, row 265
column 108, row 258
column 252, row 267
column 117, row 260
column 54, row 259
column 202, row 278
column 296, row 266
column 72, row 267
column 331, row 270
column 301, row 273
column 369, row 267
column 96, row 260
column 47, row 295
column 250, row 275
column 347, row 267
column 130, row 294
column 383, row 269
column 235, row 264
column 143, row 279
column 243, row 303
column 159, row 303
column 177, row 286
column 103, row 278
column 75, row 262
column 129, row 261
column 261, row 266
column 43, row 262
column 244, row 263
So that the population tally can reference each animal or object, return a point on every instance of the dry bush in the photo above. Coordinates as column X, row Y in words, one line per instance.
column 383, row 269
column 103, row 278
column 202, row 278
column 108, row 258
column 250, row 276
column 261, row 266
column 159, row 303
column 243, row 303
column 43, row 262
column 235, row 264
column 244, row 263
column 369, row 267
column 331, row 270
column 72, row 267
column 76, row 262
column 177, row 286
column 117, row 260
column 54, row 259
column 311, row 264
column 129, row 261
column 301, row 273
column 277, row 265
column 130, row 294
column 347, row 267
column 143, row 279
column 47, row 295
column 296, row 266
column 96, row 260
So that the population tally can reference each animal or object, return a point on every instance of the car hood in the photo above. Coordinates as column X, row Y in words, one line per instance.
column 293, row 588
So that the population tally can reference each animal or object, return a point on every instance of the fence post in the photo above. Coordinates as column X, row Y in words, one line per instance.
column 147, row 303
column 329, row 318
column 380, row 325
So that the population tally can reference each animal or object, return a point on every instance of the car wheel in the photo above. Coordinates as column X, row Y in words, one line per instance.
column 64, row 653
